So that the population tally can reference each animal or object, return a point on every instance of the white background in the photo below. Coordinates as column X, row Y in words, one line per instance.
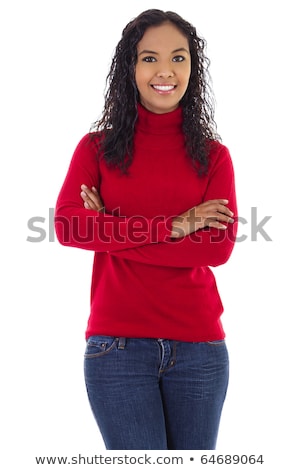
column 55, row 56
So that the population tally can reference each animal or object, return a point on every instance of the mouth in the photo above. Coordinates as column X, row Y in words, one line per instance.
column 164, row 89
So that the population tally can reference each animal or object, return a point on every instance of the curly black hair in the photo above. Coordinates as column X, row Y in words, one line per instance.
column 117, row 124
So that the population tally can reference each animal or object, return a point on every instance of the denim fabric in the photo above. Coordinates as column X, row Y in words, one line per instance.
column 156, row 394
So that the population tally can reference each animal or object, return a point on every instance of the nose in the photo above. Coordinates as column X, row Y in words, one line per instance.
column 165, row 74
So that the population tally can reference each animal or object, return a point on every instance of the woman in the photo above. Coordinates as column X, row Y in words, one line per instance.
column 151, row 191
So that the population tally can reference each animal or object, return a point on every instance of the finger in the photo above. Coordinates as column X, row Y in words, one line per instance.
column 216, row 201
column 224, row 210
column 84, row 196
column 88, row 191
column 86, row 205
column 216, row 224
column 88, row 202
column 218, row 205
column 220, row 217
column 92, row 195
column 224, row 217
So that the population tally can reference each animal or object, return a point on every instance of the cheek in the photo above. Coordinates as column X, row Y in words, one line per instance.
column 141, row 78
column 187, row 72
column 185, row 77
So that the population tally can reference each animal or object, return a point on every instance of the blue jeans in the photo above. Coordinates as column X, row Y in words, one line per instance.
column 156, row 394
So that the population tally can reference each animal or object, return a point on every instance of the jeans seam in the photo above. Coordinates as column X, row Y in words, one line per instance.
column 172, row 360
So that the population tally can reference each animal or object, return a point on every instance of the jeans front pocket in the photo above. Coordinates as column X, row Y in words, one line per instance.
column 98, row 346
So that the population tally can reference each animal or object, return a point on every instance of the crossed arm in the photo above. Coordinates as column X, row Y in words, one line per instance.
column 203, row 235
column 190, row 243
column 210, row 213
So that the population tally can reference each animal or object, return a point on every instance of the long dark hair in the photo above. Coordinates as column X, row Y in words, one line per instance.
column 120, row 109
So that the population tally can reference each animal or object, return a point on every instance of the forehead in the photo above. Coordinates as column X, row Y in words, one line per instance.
column 164, row 36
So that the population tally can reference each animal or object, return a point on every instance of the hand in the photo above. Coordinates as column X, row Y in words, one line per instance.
column 208, row 214
column 91, row 198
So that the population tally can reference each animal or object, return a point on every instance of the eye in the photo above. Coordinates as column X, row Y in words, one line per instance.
column 149, row 59
column 178, row 58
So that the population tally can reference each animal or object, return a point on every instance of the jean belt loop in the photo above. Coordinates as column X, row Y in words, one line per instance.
column 122, row 343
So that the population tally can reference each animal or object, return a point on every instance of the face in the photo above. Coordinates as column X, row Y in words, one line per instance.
column 163, row 68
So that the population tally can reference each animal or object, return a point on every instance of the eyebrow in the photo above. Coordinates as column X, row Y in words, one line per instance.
column 180, row 49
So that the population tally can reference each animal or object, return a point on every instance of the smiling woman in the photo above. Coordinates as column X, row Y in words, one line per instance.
column 151, row 191
column 163, row 68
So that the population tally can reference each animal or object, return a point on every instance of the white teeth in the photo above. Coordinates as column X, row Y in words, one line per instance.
column 163, row 87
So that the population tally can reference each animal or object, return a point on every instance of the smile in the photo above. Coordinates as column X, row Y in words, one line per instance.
column 164, row 88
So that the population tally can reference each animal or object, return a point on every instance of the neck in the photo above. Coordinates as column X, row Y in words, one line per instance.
column 153, row 123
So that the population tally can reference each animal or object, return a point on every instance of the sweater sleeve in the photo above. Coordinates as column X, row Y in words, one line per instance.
column 91, row 230
column 206, row 247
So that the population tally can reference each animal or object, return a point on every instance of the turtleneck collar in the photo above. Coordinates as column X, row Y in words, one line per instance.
column 166, row 123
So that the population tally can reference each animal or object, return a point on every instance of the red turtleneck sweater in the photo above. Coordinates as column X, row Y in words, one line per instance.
column 144, row 283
